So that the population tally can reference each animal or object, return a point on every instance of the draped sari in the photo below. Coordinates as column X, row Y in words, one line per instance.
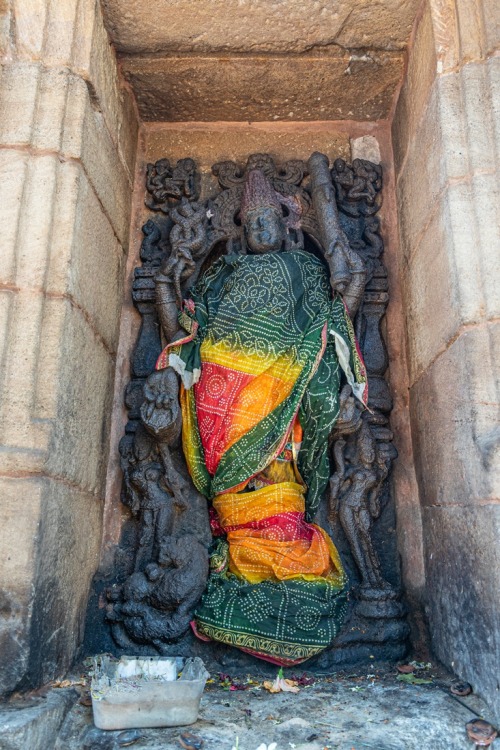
column 261, row 373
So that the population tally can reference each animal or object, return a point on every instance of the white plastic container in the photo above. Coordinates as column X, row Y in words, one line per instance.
column 140, row 692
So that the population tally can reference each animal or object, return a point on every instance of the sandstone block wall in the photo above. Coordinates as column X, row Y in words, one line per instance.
column 68, row 135
column 446, row 148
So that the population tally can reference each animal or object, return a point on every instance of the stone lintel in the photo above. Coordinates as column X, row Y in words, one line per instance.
column 345, row 86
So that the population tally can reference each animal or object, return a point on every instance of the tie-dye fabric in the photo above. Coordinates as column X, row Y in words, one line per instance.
column 263, row 363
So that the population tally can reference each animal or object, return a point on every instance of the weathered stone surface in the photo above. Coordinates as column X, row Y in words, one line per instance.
column 68, row 136
column 464, row 31
column 128, row 137
column 422, row 179
column 447, row 192
column 83, row 241
column 493, row 68
column 29, row 26
column 208, row 142
column 472, row 213
column 74, row 37
column 60, row 25
column 446, row 284
column 35, row 723
column 6, row 296
column 74, row 61
column 247, row 88
column 5, row 21
column 50, row 555
column 456, row 126
column 412, row 101
column 85, row 369
column 463, row 579
column 457, row 192
column 89, row 139
column 20, row 384
column 316, row 50
column 431, row 297
column 366, row 147
column 34, row 230
column 52, row 110
column 12, row 176
column 33, row 105
column 18, row 541
column 257, row 25
column 61, row 239
column 406, row 492
column 18, row 89
column 480, row 111
column 456, row 136
column 485, row 190
column 57, row 422
column 67, row 558
column 454, row 410
column 468, row 109
column 112, row 97
column 372, row 710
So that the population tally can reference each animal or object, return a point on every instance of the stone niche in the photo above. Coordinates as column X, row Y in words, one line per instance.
column 377, row 626
column 77, row 130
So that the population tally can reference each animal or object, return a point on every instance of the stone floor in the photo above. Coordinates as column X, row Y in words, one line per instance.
column 344, row 711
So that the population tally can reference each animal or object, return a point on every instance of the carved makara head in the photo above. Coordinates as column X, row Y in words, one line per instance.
column 261, row 214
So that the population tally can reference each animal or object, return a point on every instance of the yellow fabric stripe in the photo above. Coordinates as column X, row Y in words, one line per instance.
column 234, row 508
column 189, row 427
column 284, row 367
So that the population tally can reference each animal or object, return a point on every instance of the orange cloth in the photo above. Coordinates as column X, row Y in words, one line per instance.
column 269, row 539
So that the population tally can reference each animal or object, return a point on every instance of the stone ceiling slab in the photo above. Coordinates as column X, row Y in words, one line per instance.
column 256, row 60
column 286, row 26
column 253, row 88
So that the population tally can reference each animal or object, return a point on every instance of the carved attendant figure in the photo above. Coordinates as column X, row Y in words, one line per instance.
column 354, row 494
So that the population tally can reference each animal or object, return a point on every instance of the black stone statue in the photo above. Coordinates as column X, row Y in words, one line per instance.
column 162, row 563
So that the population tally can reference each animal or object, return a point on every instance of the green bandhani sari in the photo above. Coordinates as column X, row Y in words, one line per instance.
column 261, row 371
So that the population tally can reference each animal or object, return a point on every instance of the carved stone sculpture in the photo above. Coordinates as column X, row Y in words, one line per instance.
column 156, row 605
column 167, row 184
column 261, row 209
column 355, row 496
column 347, row 270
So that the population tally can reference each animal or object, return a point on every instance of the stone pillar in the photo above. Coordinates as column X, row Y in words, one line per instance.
column 446, row 147
column 68, row 135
